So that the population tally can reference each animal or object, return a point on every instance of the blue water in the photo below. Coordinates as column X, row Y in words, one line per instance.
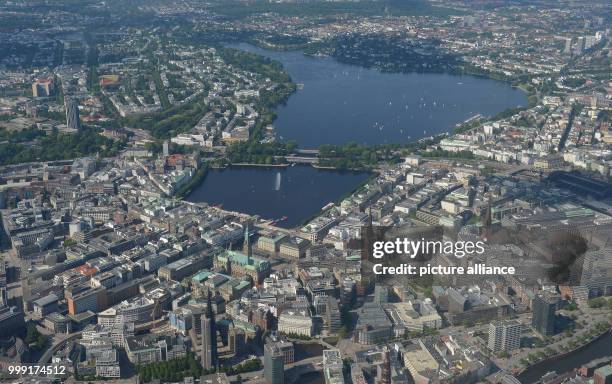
column 295, row 192
column 341, row 103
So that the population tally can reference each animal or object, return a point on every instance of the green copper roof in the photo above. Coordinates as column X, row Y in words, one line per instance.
column 254, row 263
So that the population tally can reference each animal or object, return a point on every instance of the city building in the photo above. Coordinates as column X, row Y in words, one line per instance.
column 543, row 312
column 294, row 247
column 292, row 322
column 45, row 305
column 209, row 337
column 73, row 119
column 274, row 364
column 270, row 242
column 597, row 272
column 332, row 367
column 11, row 321
column 85, row 298
column 504, row 336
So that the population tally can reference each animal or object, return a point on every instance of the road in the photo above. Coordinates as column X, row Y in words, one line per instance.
column 306, row 365
column 56, row 346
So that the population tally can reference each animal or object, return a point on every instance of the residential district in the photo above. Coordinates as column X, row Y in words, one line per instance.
column 112, row 112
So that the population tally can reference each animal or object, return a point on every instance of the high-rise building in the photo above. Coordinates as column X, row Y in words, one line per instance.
column 543, row 315
column 597, row 272
column 504, row 336
column 42, row 87
column 385, row 372
column 274, row 364
column 286, row 347
column 209, row 337
column 166, row 149
column 333, row 367
column 332, row 317
column 72, row 113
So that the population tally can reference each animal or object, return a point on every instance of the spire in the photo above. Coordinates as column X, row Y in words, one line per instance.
column 247, row 243
column 489, row 217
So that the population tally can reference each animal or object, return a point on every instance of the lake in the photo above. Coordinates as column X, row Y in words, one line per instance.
column 297, row 192
column 340, row 103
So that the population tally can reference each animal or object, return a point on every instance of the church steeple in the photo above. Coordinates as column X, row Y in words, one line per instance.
column 247, row 243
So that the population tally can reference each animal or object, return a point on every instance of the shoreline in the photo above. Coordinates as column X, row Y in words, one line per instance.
column 563, row 354
column 257, row 165
column 512, row 83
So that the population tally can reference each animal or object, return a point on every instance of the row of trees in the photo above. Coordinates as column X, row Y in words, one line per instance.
column 259, row 153
column 439, row 152
column 26, row 134
column 391, row 55
column 600, row 302
column 356, row 156
column 34, row 339
column 171, row 370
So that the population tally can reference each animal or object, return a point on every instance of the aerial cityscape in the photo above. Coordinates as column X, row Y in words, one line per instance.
column 306, row 191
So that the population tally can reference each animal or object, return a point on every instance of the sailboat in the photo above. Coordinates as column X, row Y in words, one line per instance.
column 277, row 183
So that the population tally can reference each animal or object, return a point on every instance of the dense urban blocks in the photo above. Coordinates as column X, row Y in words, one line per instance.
column 233, row 191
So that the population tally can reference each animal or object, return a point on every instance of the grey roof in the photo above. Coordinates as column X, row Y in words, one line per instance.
column 46, row 300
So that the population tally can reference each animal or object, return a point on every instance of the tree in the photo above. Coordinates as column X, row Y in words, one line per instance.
column 597, row 302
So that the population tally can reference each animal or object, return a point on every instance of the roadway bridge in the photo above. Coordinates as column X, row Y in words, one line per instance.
column 302, row 159
column 308, row 152
column 56, row 346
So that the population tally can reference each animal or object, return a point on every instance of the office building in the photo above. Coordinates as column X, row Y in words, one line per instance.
column 209, row 337
column 166, row 149
column 72, row 113
column 45, row 305
column 385, row 372
column 294, row 247
column 274, row 364
column 84, row 298
column 271, row 242
column 285, row 346
column 333, row 367
column 504, row 336
column 11, row 321
column 597, row 272
column 294, row 322
column 543, row 311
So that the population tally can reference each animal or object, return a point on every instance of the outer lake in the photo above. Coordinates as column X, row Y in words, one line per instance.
column 340, row 103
